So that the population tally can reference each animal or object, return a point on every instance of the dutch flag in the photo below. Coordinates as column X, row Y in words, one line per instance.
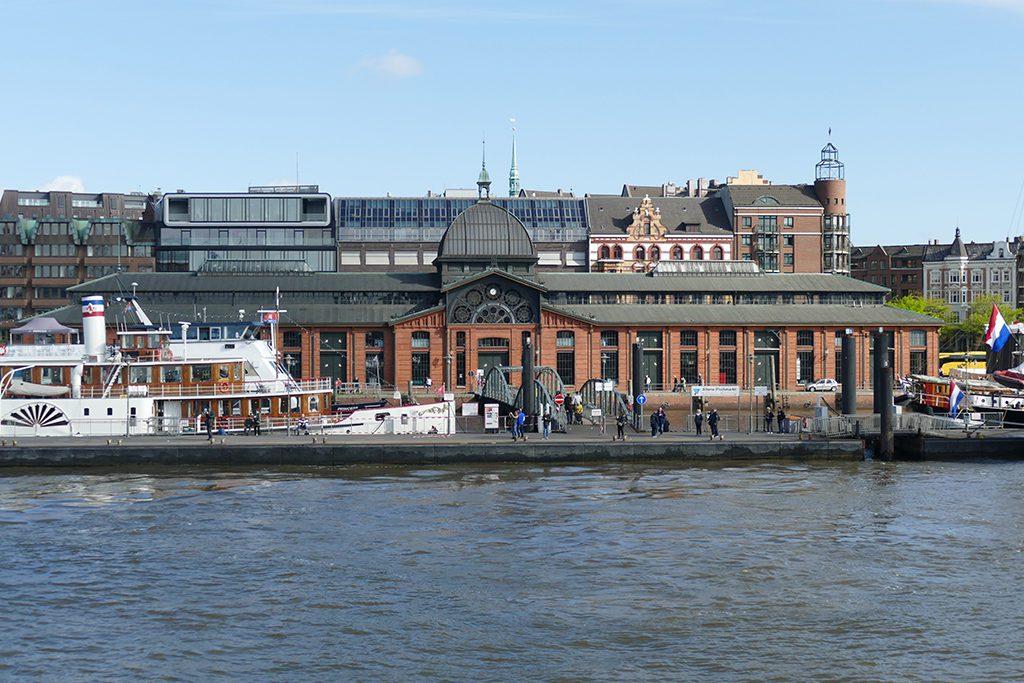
column 997, row 333
column 955, row 397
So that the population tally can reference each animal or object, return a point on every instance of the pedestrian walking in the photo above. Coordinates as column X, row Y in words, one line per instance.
column 513, row 419
column 546, row 422
column 768, row 420
column 256, row 425
column 698, row 421
column 781, row 417
column 647, row 383
column 248, row 424
column 662, row 420
column 655, row 424
column 713, row 424
column 675, row 384
column 521, row 424
column 620, row 426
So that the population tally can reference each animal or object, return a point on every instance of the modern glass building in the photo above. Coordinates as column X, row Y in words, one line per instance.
column 246, row 233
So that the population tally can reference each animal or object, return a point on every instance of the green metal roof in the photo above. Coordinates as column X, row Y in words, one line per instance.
column 744, row 314
column 641, row 282
column 210, row 282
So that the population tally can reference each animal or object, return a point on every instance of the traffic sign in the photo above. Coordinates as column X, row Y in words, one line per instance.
column 559, row 399
column 641, row 399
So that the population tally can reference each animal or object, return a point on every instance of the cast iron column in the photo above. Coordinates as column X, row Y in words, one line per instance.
column 529, row 402
column 638, row 382
column 848, row 377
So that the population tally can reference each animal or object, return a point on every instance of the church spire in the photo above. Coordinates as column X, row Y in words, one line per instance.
column 483, row 181
column 513, row 172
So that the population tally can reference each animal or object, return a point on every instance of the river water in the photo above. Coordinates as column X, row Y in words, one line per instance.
column 855, row 572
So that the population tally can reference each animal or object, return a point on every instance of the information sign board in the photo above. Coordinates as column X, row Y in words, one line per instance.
column 719, row 390
column 490, row 416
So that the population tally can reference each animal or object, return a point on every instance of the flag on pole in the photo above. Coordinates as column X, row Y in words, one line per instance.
column 955, row 397
column 997, row 333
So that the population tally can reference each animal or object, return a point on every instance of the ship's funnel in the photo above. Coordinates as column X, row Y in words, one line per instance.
column 94, row 326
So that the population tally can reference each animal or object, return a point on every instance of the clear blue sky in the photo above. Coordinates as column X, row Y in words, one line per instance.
column 924, row 98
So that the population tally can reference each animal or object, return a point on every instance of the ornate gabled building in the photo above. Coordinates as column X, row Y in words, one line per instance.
column 627, row 237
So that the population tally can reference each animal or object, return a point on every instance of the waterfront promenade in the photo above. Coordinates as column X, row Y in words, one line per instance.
column 579, row 446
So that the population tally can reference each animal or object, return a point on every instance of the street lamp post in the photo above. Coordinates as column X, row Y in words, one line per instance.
column 288, row 389
column 750, row 384
column 448, row 371
column 127, row 395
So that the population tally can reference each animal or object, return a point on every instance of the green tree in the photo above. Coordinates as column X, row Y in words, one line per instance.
column 936, row 308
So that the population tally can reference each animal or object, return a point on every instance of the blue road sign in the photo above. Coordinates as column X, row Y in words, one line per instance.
column 641, row 399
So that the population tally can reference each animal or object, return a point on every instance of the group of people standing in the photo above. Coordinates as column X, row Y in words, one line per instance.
column 769, row 415
column 712, row 420
column 659, row 422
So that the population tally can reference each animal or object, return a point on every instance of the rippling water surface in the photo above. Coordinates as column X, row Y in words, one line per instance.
column 872, row 571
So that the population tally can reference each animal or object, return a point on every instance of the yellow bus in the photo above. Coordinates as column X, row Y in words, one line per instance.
column 968, row 361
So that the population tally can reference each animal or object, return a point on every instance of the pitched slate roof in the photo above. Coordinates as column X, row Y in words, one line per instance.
column 545, row 194
column 681, row 215
column 643, row 191
column 785, row 195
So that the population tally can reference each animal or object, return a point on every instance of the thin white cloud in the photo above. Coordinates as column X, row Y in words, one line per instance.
column 401, row 10
column 65, row 183
column 1009, row 5
column 393, row 64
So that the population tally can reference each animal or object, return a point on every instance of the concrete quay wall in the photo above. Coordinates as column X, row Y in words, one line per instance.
column 438, row 452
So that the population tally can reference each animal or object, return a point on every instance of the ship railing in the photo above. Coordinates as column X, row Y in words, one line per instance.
column 72, row 352
column 222, row 389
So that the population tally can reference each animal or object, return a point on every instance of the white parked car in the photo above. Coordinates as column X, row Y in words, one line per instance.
column 823, row 385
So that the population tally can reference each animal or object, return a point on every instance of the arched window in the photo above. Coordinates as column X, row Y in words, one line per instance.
column 639, row 254
column 655, row 253
column 603, row 253
column 618, row 252
column 677, row 253
column 716, row 253
column 565, row 356
column 697, row 253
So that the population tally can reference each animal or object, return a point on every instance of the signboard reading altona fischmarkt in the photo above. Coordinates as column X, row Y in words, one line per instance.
column 720, row 390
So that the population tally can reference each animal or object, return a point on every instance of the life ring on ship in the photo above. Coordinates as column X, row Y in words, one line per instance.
column 165, row 354
column 224, row 387
column 3, row 350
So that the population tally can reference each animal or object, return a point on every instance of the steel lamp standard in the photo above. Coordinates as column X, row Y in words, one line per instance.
column 750, row 388
column 288, row 389
column 127, row 395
